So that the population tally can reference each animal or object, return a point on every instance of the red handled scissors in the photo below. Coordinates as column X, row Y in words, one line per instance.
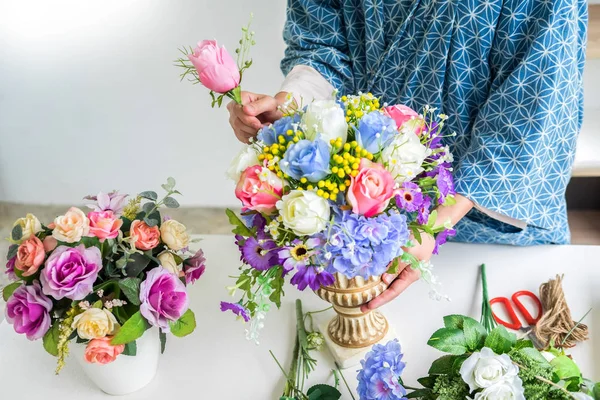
column 515, row 323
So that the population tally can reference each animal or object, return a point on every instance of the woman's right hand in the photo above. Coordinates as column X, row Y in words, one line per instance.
column 258, row 109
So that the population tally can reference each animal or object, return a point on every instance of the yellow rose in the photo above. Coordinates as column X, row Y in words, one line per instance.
column 174, row 235
column 30, row 225
column 95, row 323
column 71, row 226
column 168, row 262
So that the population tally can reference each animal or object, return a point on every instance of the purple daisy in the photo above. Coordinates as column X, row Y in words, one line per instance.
column 260, row 254
column 409, row 197
column 314, row 277
column 298, row 254
column 237, row 309
column 423, row 216
column 442, row 238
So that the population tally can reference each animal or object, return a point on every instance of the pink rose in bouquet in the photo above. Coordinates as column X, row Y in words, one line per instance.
column 371, row 190
column 29, row 311
column 400, row 113
column 104, row 224
column 259, row 189
column 147, row 237
column 30, row 256
column 100, row 351
column 216, row 68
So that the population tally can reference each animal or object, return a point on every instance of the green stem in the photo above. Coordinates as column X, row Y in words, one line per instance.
column 487, row 318
column 345, row 382
column 291, row 376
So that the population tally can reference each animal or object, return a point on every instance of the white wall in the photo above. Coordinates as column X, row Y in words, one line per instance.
column 89, row 99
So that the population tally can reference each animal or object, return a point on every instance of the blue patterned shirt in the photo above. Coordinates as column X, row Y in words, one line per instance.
column 508, row 73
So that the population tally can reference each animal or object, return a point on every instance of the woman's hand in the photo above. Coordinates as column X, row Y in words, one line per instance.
column 406, row 276
column 258, row 109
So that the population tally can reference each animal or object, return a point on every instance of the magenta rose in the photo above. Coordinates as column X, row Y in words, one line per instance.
column 194, row 267
column 71, row 272
column 163, row 298
column 216, row 69
column 29, row 311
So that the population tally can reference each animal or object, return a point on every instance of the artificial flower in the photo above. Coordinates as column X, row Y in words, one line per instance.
column 286, row 127
column 304, row 212
column 167, row 261
column 49, row 243
column 441, row 238
column 95, row 323
column 72, row 226
column 325, row 119
column 30, row 225
column 507, row 389
column 194, row 267
column 378, row 378
column 174, row 234
column 375, row 132
column 423, row 211
column 298, row 253
column 401, row 114
column 307, row 159
column 216, row 69
column 28, row 310
column 259, row 189
column 30, row 256
column 404, row 156
column 104, row 224
column 237, row 309
column 445, row 184
column 146, row 237
column 485, row 368
column 112, row 201
column 10, row 269
column 71, row 272
column 371, row 190
column 409, row 197
column 247, row 157
column 260, row 254
column 311, row 276
column 163, row 298
column 100, row 351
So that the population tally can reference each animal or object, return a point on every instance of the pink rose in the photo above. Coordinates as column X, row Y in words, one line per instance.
column 371, row 190
column 49, row 243
column 104, row 224
column 147, row 237
column 101, row 351
column 259, row 189
column 216, row 69
column 401, row 114
column 30, row 256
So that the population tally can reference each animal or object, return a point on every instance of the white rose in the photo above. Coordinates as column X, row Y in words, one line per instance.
column 95, row 323
column 485, row 368
column 167, row 261
column 72, row 226
column 247, row 157
column 303, row 212
column 404, row 157
column 174, row 235
column 325, row 117
column 511, row 389
column 30, row 225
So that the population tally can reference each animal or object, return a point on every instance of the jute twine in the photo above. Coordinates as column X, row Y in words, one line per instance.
column 556, row 324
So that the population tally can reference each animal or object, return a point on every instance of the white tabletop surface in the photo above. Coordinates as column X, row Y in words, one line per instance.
column 216, row 361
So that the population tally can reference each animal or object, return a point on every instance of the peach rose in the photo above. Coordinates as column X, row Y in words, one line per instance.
column 100, row 351
column 104, row 224
column 147, row 237
column 30, row 256
column 72, row 226
column 259, row 189
column 371, row 190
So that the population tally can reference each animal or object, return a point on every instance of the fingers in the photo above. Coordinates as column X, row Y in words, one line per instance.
column 406, row 278
column 244, row 126
column 265, row 104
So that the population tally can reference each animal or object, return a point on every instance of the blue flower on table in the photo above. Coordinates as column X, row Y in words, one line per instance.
column 375, row 132
column 307, row 159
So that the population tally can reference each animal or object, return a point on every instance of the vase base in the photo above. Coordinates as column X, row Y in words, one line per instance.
column 345, row 357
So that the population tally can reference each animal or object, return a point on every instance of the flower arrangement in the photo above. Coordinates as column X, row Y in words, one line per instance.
column 103, row 278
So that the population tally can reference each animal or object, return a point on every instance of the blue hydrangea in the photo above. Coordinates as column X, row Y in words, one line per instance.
column 269, row 134
column 360, row 246
column 375, row 132
column 307, row 159
column 379, row 378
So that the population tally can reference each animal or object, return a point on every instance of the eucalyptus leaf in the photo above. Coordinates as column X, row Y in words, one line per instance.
column 150, row 195
column 131, row 289
column 171, row 183
column 184, row 325
column 131, row 330
column 12, row 251
column 9, row 290
column 17, row 232
column 449, row 340
column 148, row 207
column 500, row 340
column 171, row 202
column 150, row 221
column 50, row 339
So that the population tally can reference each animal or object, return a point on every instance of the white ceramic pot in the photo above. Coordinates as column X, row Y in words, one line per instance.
column 126, row 374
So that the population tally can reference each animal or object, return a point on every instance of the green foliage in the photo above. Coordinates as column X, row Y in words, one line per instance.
column 131, row 289
column 130, row 349
column 393, row 268
column 277, row 286
column 238, row 226
column 136, row 264
column 500, row 340
column 131, row 330
column 449, row 340
column 163, row 341
column 150, row 195
column 17, row 232
column 475, row 333
column 50, row 339
column 171, row 202
column 323, row 392
column 12, row 251
column 184, row 325
column 90, row 241
column 9, row 290
column 450, row 388
column 443, row 365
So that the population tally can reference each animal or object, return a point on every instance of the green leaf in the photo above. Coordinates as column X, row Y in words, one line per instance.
column 523, row 344
column 136, row 264
column 277, row 286
column 171, row 202
column 475, row 334
column 565, row 368
column 97, row 304
column 131, row 330
column 171, row 183
column 417, row 235
column 17, row 232
column 596, row 391
column 150, row 195
column 454, row 321
column 500, row 340
column 323, row 392
column 130, row 349
column 184, row 325
column 126, row 224
column 163, row 341
column 442, row 366
column 238, row 226
column 148, row 207
column 150, row 221
column 9, row 290
column 50, row 339
column 12, row 251
column 534, row 355
column 427, row 382
column 131, row 289
column 449, row 341
column 393, row 268
column 90, row 242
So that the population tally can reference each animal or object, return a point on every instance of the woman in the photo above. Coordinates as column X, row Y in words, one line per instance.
column 508, row 73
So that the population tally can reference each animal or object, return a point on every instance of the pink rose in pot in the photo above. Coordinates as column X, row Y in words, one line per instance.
column 216, row 69
column 371, row 190
column 259, row 189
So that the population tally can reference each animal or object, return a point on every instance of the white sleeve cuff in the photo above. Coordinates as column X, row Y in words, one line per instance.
column 306, row 84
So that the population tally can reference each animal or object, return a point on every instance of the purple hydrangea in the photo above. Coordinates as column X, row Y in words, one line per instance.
column 237, row 309
column 409, row 197
column 442, row 238
column 379, row 378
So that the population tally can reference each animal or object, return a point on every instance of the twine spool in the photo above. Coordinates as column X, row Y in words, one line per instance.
column 556, row 324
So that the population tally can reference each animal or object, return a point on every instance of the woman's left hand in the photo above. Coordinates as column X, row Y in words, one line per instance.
column 406, row 276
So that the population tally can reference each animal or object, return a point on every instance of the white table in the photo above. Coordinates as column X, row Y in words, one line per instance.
column 217, row 362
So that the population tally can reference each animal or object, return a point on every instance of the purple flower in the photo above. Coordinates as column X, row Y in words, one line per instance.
column 112, row 201
column 423, row 216
column 442, row 238
column 409, row 197
column 434, row 136
column 194, row 267
column 29, row 311
column 237, row 309
column 71, row 272
column 445, row 184
column 260, row 254
column 379, row 378
column 298, row 254
column 314, row 277
column 163, row 298
column 10, row 269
